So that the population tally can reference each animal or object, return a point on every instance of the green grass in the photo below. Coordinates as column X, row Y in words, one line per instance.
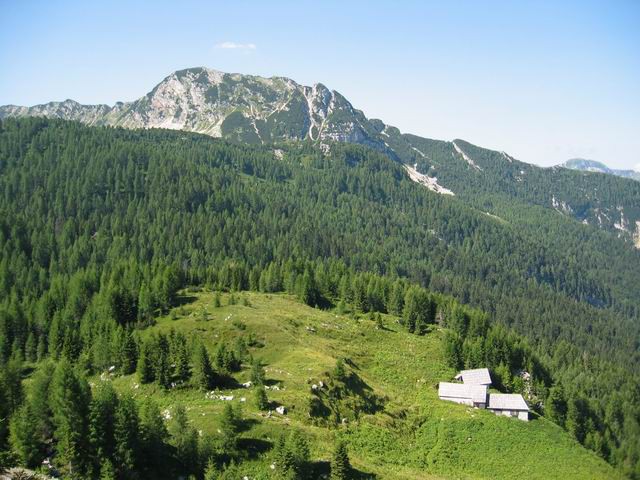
column 414, row 436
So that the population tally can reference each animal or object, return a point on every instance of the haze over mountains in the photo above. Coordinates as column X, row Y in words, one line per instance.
column 595, row 166
column 257, row 110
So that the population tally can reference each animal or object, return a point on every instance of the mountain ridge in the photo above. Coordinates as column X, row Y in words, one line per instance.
column 258, row 110
column 586, row 165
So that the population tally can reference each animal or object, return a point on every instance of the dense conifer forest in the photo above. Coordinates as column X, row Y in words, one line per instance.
column 101, row 227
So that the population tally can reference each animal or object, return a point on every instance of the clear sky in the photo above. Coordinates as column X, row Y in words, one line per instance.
column 544, row 81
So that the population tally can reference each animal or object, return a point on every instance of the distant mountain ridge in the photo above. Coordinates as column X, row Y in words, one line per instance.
column 595, row 166
column 257, row 110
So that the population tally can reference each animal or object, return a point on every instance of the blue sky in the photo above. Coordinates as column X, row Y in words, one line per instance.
column 544, row 81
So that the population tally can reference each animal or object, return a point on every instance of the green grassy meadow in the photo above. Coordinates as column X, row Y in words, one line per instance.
column 413, row 435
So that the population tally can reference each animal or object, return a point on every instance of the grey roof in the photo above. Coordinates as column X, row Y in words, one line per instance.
column 476, row 393
column 478, row 376
column 507, row 401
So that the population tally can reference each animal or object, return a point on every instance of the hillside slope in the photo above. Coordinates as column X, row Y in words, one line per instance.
column 97, row 224
column 414, row 435
column 257, row 110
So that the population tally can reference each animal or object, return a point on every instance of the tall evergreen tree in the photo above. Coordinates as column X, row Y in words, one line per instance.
column 418, row 310
column 555, row 407
column 107, row 472
column 126, row 432
column 146, row 368
column 70, row 397
column 185, row 440
column 230, row 427
column 162, row 366
column 340, row 466
column 203, row 374
column 24, row 438
column 396, row 298
column 153, row 438
column 102, row 416
column 128, row 352
column 261, row 400
column 180, row 355
column 257, row 375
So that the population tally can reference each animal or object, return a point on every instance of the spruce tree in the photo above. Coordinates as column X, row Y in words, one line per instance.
column 261, row 400
column 40, row 398
column 230, row 427
column 107, row 472
column 298, row 445
column 555, row 408
column 70, row 397
column 41, row 351
column 340, row 466
column 203, row 374
column 146, row 370
column 185, row 440
column 339, row 371
column 24, row 439
column 128, row 353
column 145, row 303
column 102, row 414
column 418, row 310
column 126, row 431
column 30, row 348
column 153, row 437
column 278, row 450
column 257, row 375
column 307, row 289
column 162, row 365
column 181, row 361
column 12, row 384
column 211, row 471
column 396, row 298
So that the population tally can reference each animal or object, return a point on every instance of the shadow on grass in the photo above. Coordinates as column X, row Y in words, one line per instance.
column 254, row 447
column 183, row 300
column 270, row 382
column 322, row 468
column 226, row 381
column 247, row 424
column 534, row 416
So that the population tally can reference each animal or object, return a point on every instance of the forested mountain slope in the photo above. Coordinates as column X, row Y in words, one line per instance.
column 256, row 110
column 126, row 214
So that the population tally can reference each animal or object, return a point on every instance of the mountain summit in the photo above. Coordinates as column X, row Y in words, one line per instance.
column 243, row 107
column 594, row 166
column 257, row 110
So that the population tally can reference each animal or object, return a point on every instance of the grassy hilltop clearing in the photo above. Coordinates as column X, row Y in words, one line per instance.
column 410, row 434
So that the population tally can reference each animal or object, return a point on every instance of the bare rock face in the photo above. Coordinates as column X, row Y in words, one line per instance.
column 243, row 107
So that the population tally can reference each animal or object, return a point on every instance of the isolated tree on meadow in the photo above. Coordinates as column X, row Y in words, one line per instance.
column 261, row 400
column 185, row 440
column 230, row 428
column 203, row 374
column 340, row 465
column 257, row 375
